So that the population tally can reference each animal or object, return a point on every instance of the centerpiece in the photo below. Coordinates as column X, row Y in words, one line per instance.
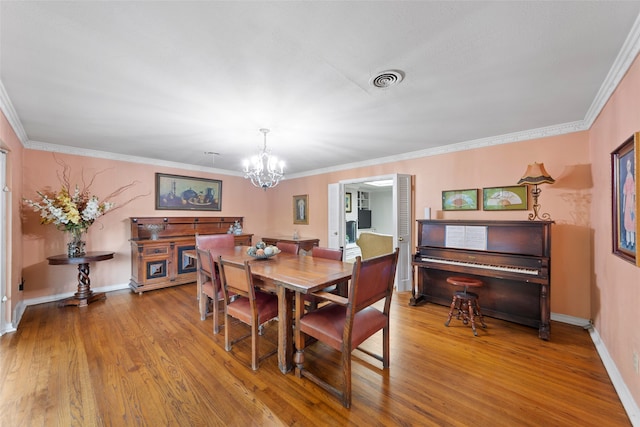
column 262, row 251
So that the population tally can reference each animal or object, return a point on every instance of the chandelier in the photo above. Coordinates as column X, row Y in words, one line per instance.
column 264, row 170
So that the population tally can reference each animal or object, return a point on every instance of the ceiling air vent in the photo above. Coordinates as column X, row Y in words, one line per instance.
column 386, row 79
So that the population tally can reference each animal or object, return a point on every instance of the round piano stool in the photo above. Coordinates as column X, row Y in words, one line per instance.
column 465, row 302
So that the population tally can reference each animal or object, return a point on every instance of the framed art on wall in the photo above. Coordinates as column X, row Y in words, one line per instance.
column 175, row 192
column 509, row 198
column 460, row 200
column 347, row 202
column 301, row 209
column 625, row 204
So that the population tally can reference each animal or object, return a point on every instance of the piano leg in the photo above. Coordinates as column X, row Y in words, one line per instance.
column 545, row 314
column 414, row 288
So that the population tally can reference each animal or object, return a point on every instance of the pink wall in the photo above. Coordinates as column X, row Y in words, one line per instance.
column 10, row 142
column 565, row 157
column 110, row 232
column 616, row 283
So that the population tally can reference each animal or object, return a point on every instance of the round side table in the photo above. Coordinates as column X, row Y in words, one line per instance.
column 85, row 295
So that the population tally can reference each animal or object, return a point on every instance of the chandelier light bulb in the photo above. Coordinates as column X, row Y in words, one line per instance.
column 264, row 170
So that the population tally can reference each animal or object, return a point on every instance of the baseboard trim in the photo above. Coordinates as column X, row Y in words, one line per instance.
column 628, row 402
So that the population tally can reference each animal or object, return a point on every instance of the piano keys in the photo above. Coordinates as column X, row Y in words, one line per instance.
column 512, row 258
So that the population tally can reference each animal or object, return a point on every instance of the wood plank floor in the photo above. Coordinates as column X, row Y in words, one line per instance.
column 149, row 361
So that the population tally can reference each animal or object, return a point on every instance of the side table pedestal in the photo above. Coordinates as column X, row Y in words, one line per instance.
column 85, row 295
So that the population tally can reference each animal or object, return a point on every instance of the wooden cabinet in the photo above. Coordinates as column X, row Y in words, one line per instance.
column 160, row 263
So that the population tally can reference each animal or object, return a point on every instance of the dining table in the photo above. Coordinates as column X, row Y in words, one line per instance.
column 287, row 274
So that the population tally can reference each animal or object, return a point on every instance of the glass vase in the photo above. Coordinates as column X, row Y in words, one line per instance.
column 76, row 245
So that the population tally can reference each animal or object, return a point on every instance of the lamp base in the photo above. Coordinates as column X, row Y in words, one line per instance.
column 535, row 193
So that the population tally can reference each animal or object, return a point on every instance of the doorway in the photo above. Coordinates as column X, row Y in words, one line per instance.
column 387, row 198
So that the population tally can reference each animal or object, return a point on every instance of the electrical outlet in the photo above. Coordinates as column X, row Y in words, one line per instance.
column 636, row 363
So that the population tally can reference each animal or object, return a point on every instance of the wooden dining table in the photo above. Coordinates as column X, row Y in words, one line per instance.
column 287, row 274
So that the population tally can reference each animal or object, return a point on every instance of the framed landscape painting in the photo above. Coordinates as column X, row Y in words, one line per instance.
column 509, row 198
column 175, row 192
column 625, row 204
column 460, row 200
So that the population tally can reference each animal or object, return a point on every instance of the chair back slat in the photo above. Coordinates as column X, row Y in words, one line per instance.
column 204, row 261
column 210, row 241
column 236, row 277
column 288, row 247
column 373, row 279
column 328, row 253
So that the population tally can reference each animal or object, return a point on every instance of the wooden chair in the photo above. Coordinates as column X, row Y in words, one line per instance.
column 288, row 247
column 339, row 289
column 208, row 278
column 346, row 323
column 250, row 306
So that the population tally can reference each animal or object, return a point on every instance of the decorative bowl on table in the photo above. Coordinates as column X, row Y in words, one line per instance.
column 262, row 251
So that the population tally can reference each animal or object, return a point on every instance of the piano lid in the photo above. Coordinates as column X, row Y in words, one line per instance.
column 530, row 238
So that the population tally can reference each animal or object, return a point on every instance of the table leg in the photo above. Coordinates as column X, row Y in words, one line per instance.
column 285, row 329
column 85, row 295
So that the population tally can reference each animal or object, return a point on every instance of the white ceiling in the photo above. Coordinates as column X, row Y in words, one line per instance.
column 171, row 80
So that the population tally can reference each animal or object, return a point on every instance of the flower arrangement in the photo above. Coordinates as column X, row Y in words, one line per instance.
column 69, row 211
column 73, row 209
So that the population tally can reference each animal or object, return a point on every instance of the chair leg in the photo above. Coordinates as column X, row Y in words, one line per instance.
column 385, row 347
column 227, row 341
column 254, row 346
column 346, row 379
column 216, row 315
column 203, row 302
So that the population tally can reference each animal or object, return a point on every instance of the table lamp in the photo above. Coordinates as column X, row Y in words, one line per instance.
column 535, row 175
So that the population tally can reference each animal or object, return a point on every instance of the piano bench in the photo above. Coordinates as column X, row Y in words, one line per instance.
column 465, row 302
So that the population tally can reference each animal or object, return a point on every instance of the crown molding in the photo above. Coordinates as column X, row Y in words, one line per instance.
column 625, row 58
column 65, row 149
column 544, row 132
column 12, row 117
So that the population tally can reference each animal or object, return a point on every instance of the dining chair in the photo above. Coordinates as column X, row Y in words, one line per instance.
column 345, row 323
column 340, row 289
column 208, row 279
column 252, row 307
column 288, row 247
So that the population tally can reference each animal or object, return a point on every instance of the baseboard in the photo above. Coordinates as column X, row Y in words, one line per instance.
column 624, row 394
column 571, row 320
column 22, row 305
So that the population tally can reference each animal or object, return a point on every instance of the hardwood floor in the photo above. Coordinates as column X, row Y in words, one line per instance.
column 148, row 360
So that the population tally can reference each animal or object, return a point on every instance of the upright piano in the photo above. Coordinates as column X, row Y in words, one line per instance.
column 512, row 258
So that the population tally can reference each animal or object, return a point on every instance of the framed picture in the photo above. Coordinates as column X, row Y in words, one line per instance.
column 625, row 204
column 301, row 209
column 460, row 200
column 512, row 198
column 347, row 202
column 175, row 192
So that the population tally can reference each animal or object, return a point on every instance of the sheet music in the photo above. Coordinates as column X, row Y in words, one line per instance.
column 466, row 237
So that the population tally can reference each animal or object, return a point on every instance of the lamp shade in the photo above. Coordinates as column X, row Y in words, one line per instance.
column 536, row 174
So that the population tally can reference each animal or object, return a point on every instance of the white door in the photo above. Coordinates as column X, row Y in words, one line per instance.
column 336, row 205
column 402, row 200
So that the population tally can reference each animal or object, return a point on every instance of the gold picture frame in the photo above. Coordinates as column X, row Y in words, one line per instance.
column 301, row 209
column 625, row 203
column 347, row 202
